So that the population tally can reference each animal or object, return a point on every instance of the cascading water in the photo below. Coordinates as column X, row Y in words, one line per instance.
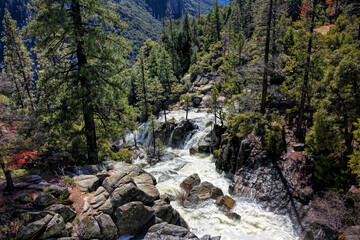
column 207, row 218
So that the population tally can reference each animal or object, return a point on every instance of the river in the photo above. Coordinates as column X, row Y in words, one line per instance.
column 207, row 218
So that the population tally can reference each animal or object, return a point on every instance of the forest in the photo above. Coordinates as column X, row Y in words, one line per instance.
column 280, row 77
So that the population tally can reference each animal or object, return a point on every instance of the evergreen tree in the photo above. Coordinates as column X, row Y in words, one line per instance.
column 81, row 52
column 18, row 63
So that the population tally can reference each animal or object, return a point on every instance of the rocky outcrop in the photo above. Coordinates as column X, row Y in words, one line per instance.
column 113, row 199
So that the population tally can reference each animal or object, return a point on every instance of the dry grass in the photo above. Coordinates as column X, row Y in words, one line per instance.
column 324, row 29
column 181, row 196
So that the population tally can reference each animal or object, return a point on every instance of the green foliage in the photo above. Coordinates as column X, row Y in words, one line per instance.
column 9, row 230
column 18, row 64
column 273, row 142
column 241, row 125
column 331, row 173
column 81, row 89
column 68, row 181
column 354, row 162
column 324, row 134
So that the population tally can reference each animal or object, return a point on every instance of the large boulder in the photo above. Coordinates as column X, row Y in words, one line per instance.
column 54, row 227
column 88, row 183
column 128, row 193
column 87, row 228
column 225, row 202
column 43, row 201
column 31, row 230
column 145, row 178
column 202, row 192
column 180, row 132
column 165, row 212
column 108, row 227
column 190, row 182
column 150, row 189
column 169, row 231
column 107, row 207
column 114, row 181
column 132, row 217
column 65, row 212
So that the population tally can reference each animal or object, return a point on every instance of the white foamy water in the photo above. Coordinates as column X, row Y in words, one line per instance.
column 207, row 218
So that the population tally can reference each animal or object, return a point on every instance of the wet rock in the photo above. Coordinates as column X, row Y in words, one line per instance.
column 87, row 228
column 67, row 213
column 54, row 227
column 31, row 230
column 128, row 193
column 208, row 237
column 44, row 200
column 194, row 150
column 132, row 217
column 190, row 182
column 107, row 207
column 307, row 235
column 167, row 213
column 88, row 183
column 169, row 232
column 233, row 216
column 180, row 132
column 226, row 202
column 108, row 227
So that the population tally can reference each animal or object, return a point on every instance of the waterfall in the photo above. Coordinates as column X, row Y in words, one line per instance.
column 255, row 224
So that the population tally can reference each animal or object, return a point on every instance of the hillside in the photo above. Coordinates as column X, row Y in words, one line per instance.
column 144, row 16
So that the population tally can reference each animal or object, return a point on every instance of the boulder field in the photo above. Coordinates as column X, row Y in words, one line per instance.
column 104, row 201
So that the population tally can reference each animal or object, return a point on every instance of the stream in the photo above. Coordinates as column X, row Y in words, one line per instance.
column 207, row 218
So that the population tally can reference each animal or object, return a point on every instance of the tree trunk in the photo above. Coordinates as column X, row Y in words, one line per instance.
column 299, row 129
column 88, row 110
column 266, row 60
column 9, row 181
column 144, row 88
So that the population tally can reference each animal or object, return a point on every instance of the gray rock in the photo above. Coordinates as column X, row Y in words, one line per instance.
column 208, row 237
column 190, row 182
column 99, row 191
column 44, row 200
column 99, row 200
column 31, row 230
column 58, row 191
column 132, row 217
column 169, row 232
column 145, row 178
column 22, row 185
column 111, row 182
column 24, row 198
column 150, row 189
column 88, row 228
column 54, row 227
column 67, row 213
column 107, row 207
column 128, row 193
column 67, row 230
column 33, row 178
column 108, row 227
column 88, row 183
column 165, row 212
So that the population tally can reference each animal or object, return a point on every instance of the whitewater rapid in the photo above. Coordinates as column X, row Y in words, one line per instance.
column 207, row 218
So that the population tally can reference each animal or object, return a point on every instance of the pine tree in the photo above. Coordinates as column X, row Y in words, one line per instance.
column 81, row 51
column 18, row 62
